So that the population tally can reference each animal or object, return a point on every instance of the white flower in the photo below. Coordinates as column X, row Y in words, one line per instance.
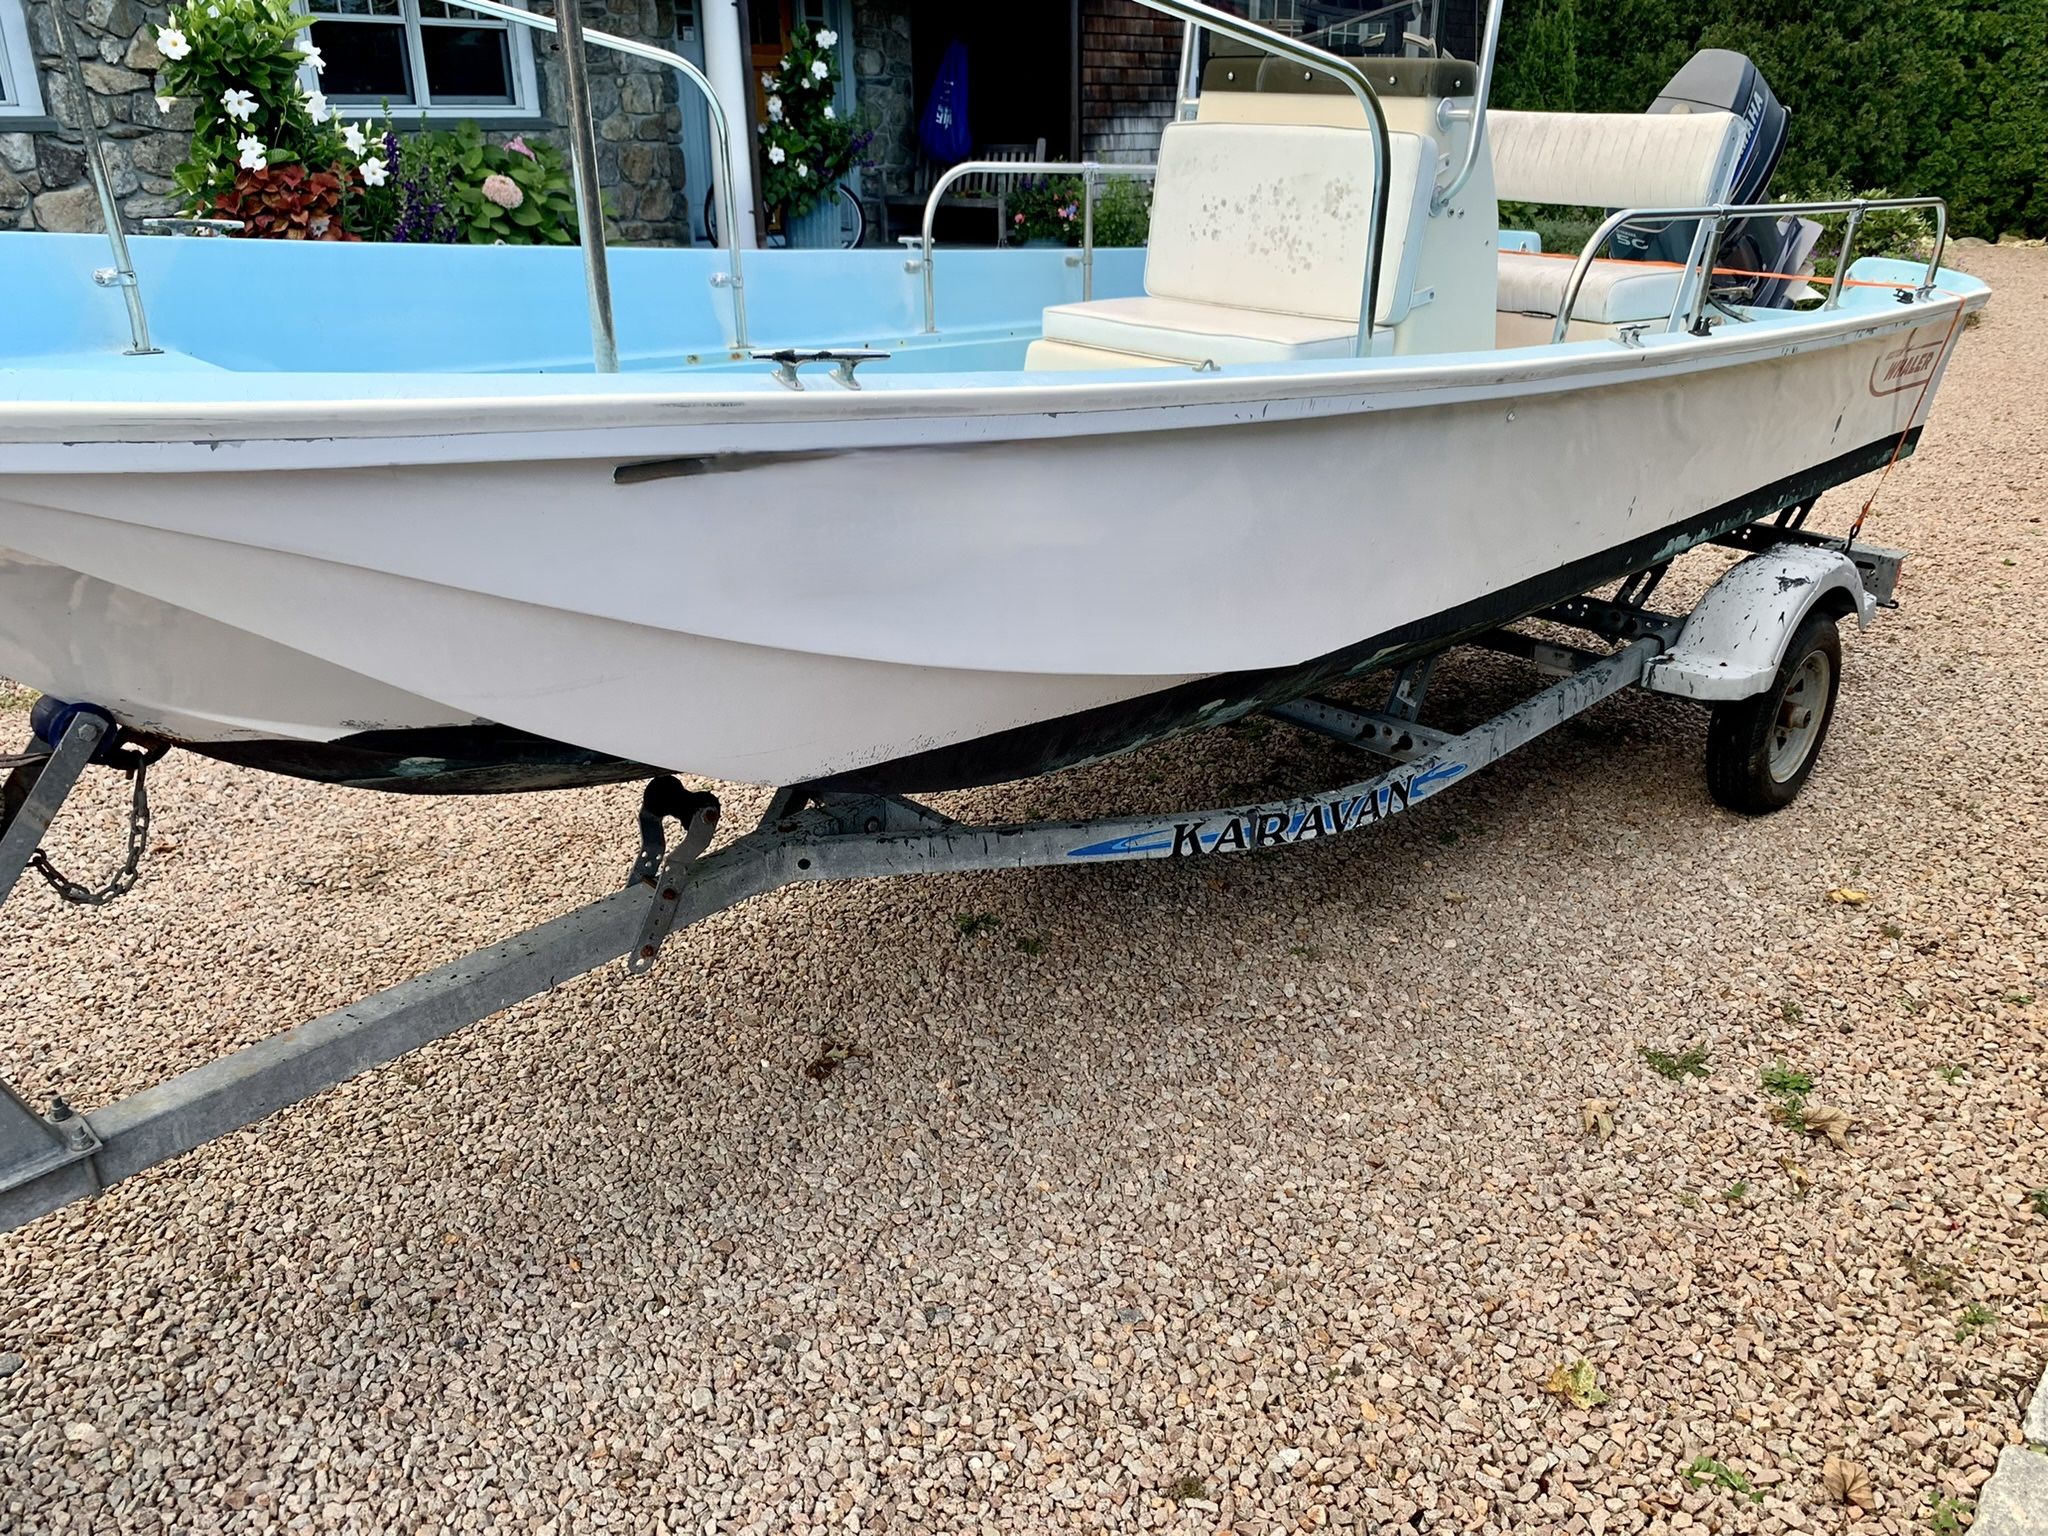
column 803, row 171
column 775, row 154
column 238, row 104
column 775, row 108
column 254, row 156
column 172, row 43
column 213, row 11
column 375, row 172
column 820, row 69
column 165, row 103
column 767, row 82
column 352, row 136
column 831, row 112
column 313, row 57
column 316, row 107
column 828, row 39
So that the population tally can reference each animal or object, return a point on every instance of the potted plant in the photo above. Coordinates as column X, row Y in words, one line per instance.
column 806, row 146
column 1044, row 210
column 265, row 149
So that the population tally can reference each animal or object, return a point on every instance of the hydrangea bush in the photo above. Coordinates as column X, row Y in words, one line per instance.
column 806, row 146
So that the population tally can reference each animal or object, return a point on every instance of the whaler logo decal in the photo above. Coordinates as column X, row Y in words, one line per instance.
column 1905, row 367
column 1263, row 827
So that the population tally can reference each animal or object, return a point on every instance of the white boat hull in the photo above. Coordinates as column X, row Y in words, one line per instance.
column 788, row 597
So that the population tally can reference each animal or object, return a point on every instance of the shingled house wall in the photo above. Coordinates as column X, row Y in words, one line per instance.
column 1129, row 59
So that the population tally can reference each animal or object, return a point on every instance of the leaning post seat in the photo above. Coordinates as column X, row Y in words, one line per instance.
column 1603, row 160
column 1257, row 251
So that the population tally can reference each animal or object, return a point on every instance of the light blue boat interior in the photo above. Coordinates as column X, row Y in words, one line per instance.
column 295, row 319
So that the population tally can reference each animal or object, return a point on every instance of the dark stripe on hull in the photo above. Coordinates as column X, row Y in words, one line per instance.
column 494, row 759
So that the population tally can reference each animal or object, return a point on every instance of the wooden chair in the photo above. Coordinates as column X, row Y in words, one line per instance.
column 984, row 190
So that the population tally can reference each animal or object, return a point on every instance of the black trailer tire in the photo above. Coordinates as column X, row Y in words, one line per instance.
column 1760, row 751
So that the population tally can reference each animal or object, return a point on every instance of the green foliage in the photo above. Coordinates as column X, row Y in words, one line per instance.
column 1123, row 211
column 460, row 186
column 1943, row 97
column 287, row 202
column 1677, row 1066
column 238, row 62
column 1707, row 1471
column 806, row 147
column 1044, row 208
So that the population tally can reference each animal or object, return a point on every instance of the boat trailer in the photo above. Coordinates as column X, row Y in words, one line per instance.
column 1749, row 648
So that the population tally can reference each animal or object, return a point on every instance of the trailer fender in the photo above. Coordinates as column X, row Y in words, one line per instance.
column 1734, row 640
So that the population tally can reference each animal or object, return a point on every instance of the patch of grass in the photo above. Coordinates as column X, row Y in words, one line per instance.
column 1029, row 944
column 1706, row 1471
column 1448, row 838
column 1949, row 1517
column 2020, row 999
column 1933, row 1279
column 1973, row 1320
column 1186, row 1487
column 1690, row 1062
column 1690, row 1201
column 1789, row 1086
column 2039, row 1200
column 1790, row 1011
column 1912, row 1006
column 1953, row 1073
column 971, row 923
column 1736, row 1193
column 1305, row 951
column 13, row 697
column 1892, row 931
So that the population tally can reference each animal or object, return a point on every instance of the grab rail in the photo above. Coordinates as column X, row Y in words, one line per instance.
column 596, row 274
column 1489, row 49
column 121, row 274
column 1087, row 170
column 1714, row 217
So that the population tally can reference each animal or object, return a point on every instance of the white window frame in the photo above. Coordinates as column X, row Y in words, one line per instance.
column 525, row 102
column 17, row 64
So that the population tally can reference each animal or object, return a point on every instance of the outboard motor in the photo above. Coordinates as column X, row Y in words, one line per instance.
column 1719, row 80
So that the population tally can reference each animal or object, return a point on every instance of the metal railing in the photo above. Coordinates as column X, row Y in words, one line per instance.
column 1489, row 48
column 583, row 143
column 1087, row 170
column 1714, row 220
column 121, row 274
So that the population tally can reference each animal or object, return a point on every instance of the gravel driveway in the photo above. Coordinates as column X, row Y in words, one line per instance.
column 1253, row 1195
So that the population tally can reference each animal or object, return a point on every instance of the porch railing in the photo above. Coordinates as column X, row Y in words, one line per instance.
column 1090, row 171
column 1714, row 218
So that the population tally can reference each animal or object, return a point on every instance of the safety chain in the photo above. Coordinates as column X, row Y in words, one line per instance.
column 133, row 761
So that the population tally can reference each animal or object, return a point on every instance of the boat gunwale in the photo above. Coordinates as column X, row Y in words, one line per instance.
column 1077, row 405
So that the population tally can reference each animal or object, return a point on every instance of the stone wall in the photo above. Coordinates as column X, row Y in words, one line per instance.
column 43, row 184
column 1130, row 58
column 43, row 181
column 883, row 88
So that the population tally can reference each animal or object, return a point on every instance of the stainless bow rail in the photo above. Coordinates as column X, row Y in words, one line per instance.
column 583, row 144
column 1714, row 220
column 121, row 274
column 1088, row 170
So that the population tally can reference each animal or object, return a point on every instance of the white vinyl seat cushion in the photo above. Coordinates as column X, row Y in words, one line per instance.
column 1615, row 159
column 1182, row 330
column 1614, row 293
column 1257, row 249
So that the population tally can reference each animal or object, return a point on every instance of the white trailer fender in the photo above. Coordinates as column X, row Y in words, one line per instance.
column 1734, row 640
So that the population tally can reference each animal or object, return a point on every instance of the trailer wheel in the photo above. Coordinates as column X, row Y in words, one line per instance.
column 1761, row 750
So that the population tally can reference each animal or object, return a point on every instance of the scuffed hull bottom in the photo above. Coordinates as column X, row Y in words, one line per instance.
column 489, row 759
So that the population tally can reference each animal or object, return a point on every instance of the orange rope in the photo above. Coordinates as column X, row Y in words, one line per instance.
column 1680, row 266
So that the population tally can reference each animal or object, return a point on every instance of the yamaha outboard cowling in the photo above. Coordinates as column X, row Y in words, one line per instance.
column 1718, row 80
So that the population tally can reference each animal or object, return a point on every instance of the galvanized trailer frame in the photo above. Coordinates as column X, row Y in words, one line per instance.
column 48, row 1160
